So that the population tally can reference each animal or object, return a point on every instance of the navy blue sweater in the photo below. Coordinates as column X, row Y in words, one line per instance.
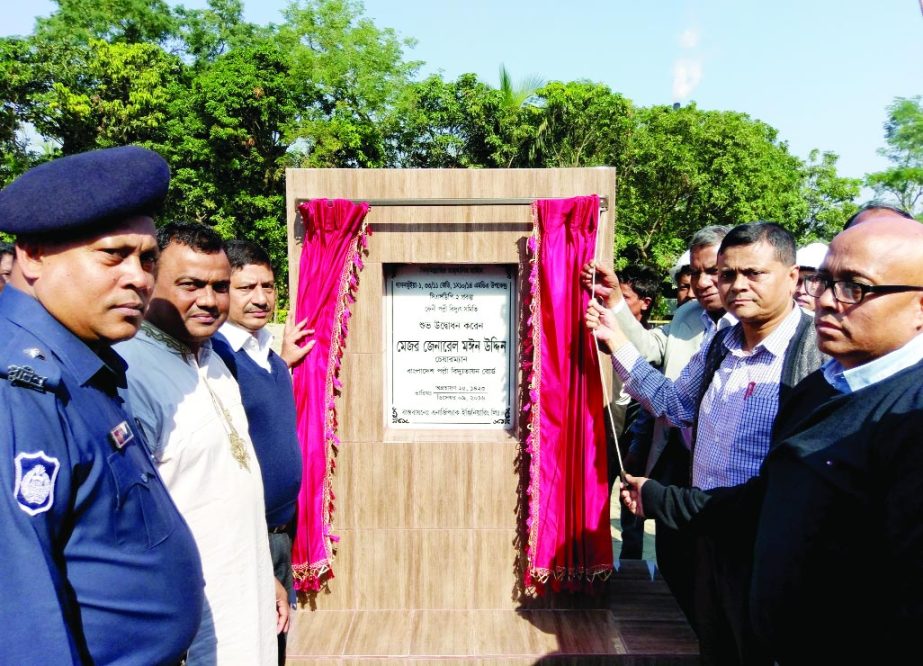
column 270, row 406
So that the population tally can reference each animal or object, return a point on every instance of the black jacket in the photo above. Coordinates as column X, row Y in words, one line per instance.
column 819, row 592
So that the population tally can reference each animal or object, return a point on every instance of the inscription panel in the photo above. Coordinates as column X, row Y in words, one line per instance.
column 450, row 346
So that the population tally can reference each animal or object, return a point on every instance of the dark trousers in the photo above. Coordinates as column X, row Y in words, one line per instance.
column 676, row 561
column 722, row 589
column 280, row 549
column 632, row 533
column 632, row 526
column 675, row 550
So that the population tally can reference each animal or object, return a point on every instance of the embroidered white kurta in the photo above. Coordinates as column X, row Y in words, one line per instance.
column 188, row 410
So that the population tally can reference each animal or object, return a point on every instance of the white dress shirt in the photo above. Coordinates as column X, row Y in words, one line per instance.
column 256, row 345
column 192, row 417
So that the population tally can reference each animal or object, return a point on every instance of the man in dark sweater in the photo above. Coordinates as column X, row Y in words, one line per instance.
column 728, row 394
column 266, row 391
column 845, row 451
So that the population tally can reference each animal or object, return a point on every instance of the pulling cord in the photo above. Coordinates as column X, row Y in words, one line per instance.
column 602, row 376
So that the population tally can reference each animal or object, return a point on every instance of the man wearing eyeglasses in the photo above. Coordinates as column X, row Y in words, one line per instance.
column 729, row 394
column 846, row 451
column 808, row 259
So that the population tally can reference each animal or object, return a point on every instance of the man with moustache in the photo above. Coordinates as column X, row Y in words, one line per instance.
column 98, row 566
column 729, row 395
column 189, row 406
column 269, row 401
column 845, row 451
column 662, row 450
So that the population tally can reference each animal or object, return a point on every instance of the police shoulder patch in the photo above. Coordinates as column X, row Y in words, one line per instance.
column 35, row 478
column 24, row 375
column 25, row 365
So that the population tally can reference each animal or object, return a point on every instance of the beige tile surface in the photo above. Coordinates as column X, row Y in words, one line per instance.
column 365, row 326
column 426, row 568
column 442, row 570
column 359, row 408
column 495, row 586
column 507, row 632
column 440, row 490
column 384, row 633
column 387, row 570
column 383, row 494
column 315, row 634
column 494, row 483
column 443, row 633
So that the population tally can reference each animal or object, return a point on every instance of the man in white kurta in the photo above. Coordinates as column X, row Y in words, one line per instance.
column 189, row 407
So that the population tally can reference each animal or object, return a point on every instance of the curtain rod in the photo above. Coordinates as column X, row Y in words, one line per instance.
column 521, row 201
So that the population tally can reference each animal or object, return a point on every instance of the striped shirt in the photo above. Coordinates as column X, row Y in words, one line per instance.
column 737, row 411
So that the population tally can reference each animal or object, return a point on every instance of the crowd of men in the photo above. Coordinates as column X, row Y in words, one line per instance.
column 150, row 459
column 151, row 497
column 801, row 428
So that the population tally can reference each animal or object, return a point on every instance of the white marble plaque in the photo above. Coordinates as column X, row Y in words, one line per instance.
column 451, row 346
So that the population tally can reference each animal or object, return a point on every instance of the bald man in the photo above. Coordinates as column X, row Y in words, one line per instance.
column 875, row 210
column 846, row 451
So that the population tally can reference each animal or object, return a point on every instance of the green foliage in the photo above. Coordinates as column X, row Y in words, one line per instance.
column 231, row 104
column 226, row 141
column 684, row 169
column 354, row 73
column 438, row 124
column 207, row 33
column 94, row 95
column 903, row 182
column 829, row 198
column 127, row 21
column 575, row 124
column 515, row 96
column 15, row 86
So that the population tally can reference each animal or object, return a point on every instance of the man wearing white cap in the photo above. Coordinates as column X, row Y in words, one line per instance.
column 808, row 258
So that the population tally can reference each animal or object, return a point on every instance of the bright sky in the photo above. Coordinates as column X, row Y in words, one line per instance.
column 819, row 71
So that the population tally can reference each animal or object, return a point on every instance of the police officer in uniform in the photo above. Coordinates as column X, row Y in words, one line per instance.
column 96, row 564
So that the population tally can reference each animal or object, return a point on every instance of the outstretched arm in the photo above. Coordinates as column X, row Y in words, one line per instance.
column 699, row 511
column 673, row 400
column 603, row 285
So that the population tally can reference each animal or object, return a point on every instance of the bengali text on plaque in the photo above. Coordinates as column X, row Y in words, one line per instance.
column 451, row 346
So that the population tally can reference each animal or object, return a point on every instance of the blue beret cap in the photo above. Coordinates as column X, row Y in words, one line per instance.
column 86, row 190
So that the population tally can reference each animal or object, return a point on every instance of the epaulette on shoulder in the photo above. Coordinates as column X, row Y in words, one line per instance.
column 25, row 363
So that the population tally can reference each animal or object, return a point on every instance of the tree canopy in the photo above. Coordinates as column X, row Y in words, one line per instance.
column 902, row 183
column 231, row 104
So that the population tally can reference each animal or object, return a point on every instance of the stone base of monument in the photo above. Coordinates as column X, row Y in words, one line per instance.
column 635, row 621
column 429, row 479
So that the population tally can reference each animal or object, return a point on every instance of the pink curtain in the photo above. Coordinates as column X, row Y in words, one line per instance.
column 335, row 235
column 569, row 544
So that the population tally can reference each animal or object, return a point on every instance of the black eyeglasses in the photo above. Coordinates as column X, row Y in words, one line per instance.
column 846, row 291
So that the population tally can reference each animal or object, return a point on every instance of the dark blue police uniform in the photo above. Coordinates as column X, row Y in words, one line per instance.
column 98, row 566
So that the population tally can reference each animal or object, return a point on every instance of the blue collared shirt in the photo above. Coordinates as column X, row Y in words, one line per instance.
column 737, row 412
column 98, row 565
column 711, row 326
column 850, row 381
